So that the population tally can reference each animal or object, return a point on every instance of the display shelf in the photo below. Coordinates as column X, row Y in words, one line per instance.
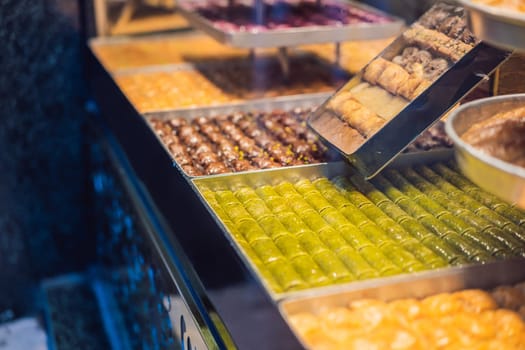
column 231, row 299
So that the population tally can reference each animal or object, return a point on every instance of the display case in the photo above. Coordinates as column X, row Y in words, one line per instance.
column 263, row 221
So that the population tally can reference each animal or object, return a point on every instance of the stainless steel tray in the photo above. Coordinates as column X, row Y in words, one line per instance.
column 296, row 36
column 494, row 175
column 292, row 174
column 448, row 280
column 412, row 117
column 280, row 103
column 498, row 26
column 264, row 105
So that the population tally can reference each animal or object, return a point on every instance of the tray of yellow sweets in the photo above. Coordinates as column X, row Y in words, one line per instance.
column 316, row 227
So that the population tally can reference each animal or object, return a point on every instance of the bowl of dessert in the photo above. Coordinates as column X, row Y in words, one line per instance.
column 489, row 139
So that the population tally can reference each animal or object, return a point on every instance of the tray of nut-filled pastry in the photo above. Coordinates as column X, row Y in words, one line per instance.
column 499, row 22
column 309, row 228
column 473, row 307
column 262, row 134
column 220, row 81
column 250, row 24
column 406, row 89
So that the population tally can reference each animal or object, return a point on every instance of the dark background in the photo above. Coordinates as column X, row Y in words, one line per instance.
column 42, row 168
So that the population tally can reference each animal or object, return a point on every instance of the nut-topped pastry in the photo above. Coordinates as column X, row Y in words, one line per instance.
column 241, row 141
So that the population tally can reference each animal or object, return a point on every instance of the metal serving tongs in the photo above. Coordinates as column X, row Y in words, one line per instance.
column 404, row 90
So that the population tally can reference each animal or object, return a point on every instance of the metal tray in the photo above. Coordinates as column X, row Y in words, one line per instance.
column 376, row 151
column 264, row 105
column 271, row 104
column 337, row 74
column 275, row 176
column 498, row 26
column 448, row 280
column 494, row 175
column 296, row 36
